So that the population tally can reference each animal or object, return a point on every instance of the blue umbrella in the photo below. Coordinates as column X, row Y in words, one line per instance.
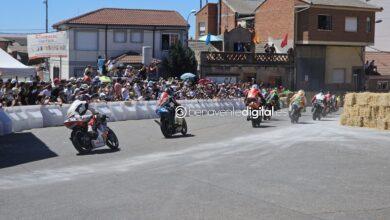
column 188, row 76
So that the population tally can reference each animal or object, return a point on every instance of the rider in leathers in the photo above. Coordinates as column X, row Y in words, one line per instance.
column 166, row 98
column 78, row 110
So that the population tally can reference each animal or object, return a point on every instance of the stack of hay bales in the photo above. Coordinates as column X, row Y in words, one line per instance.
column 370, row 110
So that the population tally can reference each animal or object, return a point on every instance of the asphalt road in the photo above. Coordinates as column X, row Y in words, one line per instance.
column 224, row 170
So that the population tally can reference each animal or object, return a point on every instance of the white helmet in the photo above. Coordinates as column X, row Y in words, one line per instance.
column 255, row 86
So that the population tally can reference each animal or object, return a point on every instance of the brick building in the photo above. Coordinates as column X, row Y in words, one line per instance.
column 217, row 18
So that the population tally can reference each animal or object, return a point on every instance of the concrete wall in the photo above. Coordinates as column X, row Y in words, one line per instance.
column 347, row 58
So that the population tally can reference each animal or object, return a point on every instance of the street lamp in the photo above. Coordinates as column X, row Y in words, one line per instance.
column 193, row 11
column 46, row 2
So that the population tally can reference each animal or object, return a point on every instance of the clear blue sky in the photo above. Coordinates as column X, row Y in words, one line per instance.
column 21, row 16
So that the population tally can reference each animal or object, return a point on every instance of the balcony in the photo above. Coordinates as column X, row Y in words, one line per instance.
column 255, row 59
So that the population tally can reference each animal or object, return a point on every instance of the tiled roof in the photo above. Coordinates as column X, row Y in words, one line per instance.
column 131, row 58
column 382, row 61
column 246, row 7
column 343, row 3
column 128, row 17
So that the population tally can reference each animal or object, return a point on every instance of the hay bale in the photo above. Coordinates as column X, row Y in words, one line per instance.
column 343, row 119
column 383, row 125
column 383, row 112
column 384, row 99
column 353, row 111
column 355, row 121
column 369, row 122
column 363, row 99
column 349, row 99
column 364, row 111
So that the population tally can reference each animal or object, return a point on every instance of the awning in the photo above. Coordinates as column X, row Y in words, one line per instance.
column 10, row 67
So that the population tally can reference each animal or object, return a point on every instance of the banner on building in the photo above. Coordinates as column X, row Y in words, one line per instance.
column 47, row 45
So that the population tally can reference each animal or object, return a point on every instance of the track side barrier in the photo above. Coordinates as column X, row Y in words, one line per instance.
column 5, row 123
column 151, row 109
column 118, row 110
column 142, row 110
column 35, row 117
column 103, row 108
column 130, row 110
column 18, row 118
column 52, row 115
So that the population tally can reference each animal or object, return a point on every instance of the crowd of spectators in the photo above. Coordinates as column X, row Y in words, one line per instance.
column 117, row 85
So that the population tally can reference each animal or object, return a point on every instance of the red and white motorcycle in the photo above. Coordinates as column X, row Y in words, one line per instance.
column 82, row 140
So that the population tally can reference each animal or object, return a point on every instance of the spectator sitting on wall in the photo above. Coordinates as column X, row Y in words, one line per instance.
column 273, row 49
column 267, row 48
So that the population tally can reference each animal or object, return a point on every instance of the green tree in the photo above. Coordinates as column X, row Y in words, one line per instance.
column 180, row 60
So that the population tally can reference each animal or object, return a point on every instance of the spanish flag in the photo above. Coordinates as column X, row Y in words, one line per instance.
column 256, row 38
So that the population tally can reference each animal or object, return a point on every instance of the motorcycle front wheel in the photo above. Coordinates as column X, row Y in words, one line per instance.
column 184, row 128
column 165, row 128
column 81, row 141
column 112, row 140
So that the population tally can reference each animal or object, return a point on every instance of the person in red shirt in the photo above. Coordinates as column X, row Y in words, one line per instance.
column 87, row 75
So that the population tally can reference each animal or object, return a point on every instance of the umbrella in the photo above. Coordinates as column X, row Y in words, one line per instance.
column 187, row 76
column 105, row 79
column 211, row 38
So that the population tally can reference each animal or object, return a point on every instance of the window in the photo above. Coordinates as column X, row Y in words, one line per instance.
column 351, row 24
column 78, row 72
column 368, row 25
column 167, row 40
column 202, row 28
column 324, row 22
column 120, row 36
column 382, row 85
column 86, row 40
column 137, row 36
column 338, row 76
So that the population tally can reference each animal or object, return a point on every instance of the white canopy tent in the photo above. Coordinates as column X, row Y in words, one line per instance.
column 11, row 68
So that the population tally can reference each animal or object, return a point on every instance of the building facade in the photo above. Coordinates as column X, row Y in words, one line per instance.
column 110, row 33
column 329, row 39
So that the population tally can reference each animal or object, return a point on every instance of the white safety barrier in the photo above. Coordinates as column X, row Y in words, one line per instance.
column 142, row 110
column 16, row 119
column 5, row 123
column 104, row 109
column 35, row 117
column 118, row 110
column 151, row 109
column 130, row 110
column 52, row 115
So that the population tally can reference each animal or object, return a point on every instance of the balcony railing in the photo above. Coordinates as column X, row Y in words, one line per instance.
column 246, row 58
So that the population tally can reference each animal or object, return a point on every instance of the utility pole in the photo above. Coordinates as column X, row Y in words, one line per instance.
column 46, row 2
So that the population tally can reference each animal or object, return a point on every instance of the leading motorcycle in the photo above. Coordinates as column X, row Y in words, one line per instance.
column 255, row 118
column 82, row 140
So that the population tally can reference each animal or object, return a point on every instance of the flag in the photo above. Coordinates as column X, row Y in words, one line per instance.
column 284, row 42
column 208, row 39
column 256, row 38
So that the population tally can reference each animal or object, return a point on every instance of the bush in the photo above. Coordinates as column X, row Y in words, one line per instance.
column 179, row 60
